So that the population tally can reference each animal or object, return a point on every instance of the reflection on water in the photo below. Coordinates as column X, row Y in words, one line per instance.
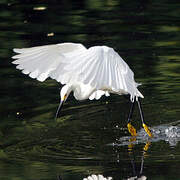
column 101, row 177
column 79, row 143
column 97, row 177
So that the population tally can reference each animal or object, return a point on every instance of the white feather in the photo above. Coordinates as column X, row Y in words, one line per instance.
column 97, row 177
column 100, row 67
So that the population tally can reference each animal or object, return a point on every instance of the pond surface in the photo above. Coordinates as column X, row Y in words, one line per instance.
column 91, row 137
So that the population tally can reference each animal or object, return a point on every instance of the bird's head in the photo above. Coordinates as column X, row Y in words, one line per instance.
column 65, row 91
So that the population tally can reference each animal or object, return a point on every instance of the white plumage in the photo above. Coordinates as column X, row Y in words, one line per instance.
column 97, row 177
column 89, row 73
column 101, row 177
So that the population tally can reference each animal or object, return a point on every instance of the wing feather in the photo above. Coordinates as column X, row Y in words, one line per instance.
column 102, row 74
column 89, row 72
column 110, row 70
column 105, row 75
column 99, row 66
column 41, row 62
column 94, row 79
column 105, row 70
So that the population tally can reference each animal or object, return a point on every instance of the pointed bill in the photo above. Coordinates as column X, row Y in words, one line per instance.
column 59, row 109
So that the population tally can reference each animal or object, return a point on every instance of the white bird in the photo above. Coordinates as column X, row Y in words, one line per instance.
column 88, row 73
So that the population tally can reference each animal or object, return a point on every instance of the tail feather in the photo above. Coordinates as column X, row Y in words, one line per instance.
column 138, row 94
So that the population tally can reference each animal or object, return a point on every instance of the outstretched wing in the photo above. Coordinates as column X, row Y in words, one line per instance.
column 99, row 66
column 103, row 69
column 39, row 62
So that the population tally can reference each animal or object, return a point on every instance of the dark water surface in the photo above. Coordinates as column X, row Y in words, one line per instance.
column 90, row 137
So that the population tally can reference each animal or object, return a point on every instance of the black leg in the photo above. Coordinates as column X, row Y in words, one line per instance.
column 131, row 129
column 142, row 165
column 59, row 177
column 140, row 110
column 142, row 119
column 131, row 111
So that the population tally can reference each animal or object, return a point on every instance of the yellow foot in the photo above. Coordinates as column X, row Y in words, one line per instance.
column 131, row 145
column 146, row 147
column 147, row 130
column 131, row 130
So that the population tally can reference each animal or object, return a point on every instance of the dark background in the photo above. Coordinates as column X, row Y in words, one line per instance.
column 34, row 146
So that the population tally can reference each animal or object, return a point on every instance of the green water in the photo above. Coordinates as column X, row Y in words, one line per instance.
column 33, row 146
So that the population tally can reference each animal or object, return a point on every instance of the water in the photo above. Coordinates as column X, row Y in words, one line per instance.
column 91, row 137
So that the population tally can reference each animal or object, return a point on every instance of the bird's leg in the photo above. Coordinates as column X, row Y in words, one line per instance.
column 59, row 178
column 131, row 129
column 142, row 118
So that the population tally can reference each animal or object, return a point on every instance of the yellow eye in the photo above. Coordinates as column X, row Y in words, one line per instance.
column 64, row 97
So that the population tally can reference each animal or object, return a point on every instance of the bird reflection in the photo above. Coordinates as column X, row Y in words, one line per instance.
column 166, row 132
column 137, row 170
column 137, row 173
column 97, row 177
column 93, row 177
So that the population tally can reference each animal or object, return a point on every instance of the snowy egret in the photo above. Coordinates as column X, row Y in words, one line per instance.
column 88, row 73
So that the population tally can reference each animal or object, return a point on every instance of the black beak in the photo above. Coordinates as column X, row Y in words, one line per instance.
column 59, row 109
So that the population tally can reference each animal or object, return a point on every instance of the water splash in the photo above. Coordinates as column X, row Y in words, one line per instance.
column 168, row 132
